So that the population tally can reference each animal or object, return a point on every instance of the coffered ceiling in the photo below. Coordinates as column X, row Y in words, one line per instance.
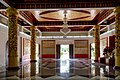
column 48, row 15
column 72, row 15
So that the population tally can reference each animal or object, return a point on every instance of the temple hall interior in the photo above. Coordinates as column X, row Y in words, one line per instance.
column 59, row 39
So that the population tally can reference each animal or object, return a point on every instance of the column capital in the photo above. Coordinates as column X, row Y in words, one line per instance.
column 12, row 11
column 33, row 27
column 116, row 9
column 96, row 26
column 96, row 30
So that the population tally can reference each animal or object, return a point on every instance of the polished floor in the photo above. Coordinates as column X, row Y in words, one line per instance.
column 56, row 69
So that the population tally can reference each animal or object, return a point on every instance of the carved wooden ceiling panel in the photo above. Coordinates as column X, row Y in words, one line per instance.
column 72, row 15
column 49, row 14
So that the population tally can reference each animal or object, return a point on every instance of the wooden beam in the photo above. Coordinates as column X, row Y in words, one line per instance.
column 104, row 16
column 2, row 6
column 101, row 17
column 58, row 23
column 57, row 4
column 8, row 3
column 4, row 3
column 26, row 17
column 68, row 5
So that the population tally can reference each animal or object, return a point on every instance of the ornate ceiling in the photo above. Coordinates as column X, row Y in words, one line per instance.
column 72, row 15
column 47, row 15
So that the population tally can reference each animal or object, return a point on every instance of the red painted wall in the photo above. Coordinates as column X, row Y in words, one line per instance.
column 112, row 41
column 48, row 55
column 81, row 56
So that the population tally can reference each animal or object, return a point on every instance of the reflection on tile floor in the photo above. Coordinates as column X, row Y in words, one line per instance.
column 54, row 69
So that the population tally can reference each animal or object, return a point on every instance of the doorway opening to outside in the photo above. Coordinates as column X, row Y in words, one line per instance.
column 93, row 51
column 64, row 59
column 64, row 52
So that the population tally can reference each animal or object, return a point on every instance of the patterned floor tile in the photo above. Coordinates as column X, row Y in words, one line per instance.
column 50, row 69
column 55, row 78
column 78, row 78
column 12, row 78
column 101, row 78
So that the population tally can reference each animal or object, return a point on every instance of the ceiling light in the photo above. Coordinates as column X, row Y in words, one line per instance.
column 65, row 30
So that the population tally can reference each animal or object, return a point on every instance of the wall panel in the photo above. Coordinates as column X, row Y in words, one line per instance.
column 48, row 48
column 81, row 49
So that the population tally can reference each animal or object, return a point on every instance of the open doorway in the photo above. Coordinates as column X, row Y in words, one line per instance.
column 64, row 51
column 64, row 59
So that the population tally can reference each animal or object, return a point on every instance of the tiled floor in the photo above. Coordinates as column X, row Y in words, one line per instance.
column 52, row 69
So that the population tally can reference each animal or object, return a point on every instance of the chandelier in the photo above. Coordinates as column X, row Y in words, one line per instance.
column 65, row 30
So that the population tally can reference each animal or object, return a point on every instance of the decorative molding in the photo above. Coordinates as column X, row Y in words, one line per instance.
column 49, row 18
column 80, row 18
column 89, row 4
column 46, row 12
column 57, row 4
column 58, row 23
column 82, row 11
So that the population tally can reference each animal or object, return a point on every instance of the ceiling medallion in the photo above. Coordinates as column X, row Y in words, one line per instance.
column 65, row 30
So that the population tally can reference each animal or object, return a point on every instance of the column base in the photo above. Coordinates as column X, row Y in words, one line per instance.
column 33, row 60
column 116, row 68
column 13, row 68
column 96, row 60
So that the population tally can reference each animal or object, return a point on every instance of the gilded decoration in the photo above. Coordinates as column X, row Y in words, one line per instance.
column 13, row 33
column 97, row 41
column 117, row 31
column 33, row 42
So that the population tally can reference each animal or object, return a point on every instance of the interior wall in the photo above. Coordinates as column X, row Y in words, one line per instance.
column 65, row 41
column 69, row 41
column 112, row 41
column 25, row 57
column 107, row 39
column 3, row 41
column 48, row 49
column 103, row 44
column 106, row 34
column 81, row 49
